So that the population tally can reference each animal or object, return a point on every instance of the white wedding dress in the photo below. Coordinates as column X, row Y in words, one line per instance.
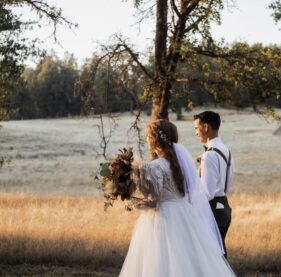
column 174, row 239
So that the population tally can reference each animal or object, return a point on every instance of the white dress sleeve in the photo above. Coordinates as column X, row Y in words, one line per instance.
column 151, row 183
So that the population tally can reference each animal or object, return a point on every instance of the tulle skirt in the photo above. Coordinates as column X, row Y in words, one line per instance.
column 173, row 241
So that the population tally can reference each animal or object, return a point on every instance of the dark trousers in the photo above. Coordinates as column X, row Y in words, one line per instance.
column 222, row 216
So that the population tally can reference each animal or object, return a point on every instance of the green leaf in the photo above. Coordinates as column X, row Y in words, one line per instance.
column 105, row 170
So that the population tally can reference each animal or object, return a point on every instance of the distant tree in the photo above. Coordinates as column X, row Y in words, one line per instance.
column 52, row 88
column 15, row 47
column 47, row 91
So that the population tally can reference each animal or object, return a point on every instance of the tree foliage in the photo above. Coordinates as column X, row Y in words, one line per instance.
column 276, row 7
column 187, row 67
column 176, row 22
column 240, row 75
column 111, row 82
column 48, row 90
column 15, row 48
column 187, row 61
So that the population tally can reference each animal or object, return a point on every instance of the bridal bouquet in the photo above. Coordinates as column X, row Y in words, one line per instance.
column 117, row 177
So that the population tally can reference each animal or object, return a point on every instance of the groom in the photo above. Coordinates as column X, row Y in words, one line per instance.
column 215, row 168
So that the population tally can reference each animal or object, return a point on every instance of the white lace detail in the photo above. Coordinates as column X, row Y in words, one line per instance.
column 157, row 182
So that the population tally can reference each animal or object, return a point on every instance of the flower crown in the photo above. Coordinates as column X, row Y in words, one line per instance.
column 164, row 137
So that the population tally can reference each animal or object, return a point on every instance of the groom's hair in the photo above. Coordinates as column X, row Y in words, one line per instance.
column 209, row 117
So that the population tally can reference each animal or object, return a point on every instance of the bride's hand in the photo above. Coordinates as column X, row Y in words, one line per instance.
column 143, row 203
column 135, row 200
column 139, row 203
column 137, row 162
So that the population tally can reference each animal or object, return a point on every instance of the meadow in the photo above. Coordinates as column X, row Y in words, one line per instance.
column 52, row 220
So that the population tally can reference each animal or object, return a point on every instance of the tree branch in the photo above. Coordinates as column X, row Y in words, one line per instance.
column 190, row 8
column 175, row 8
column 105, row 138
column 135, row 58
column 51, row 12
column 200, row 18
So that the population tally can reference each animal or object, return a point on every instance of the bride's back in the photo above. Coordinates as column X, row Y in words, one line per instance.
column 164, row 182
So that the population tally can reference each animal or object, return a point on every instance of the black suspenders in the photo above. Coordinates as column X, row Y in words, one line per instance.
column 228, row 163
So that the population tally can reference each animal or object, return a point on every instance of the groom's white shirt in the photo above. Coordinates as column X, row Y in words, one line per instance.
column 213, row 170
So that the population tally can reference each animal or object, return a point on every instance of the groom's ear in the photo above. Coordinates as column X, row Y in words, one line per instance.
column 206, row 127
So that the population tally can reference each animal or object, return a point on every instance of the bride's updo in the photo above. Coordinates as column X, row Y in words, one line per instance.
column 162, row 134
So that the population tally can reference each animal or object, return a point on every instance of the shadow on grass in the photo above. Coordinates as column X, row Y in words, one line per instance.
column 56, row 270
column 76, row 257
column 23, row 250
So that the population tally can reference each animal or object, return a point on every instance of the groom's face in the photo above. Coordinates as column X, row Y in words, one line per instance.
column 201, row 130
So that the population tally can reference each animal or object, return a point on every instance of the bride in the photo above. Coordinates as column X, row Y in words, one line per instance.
column 176, row 234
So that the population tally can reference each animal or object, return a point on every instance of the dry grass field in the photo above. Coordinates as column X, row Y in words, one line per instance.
column 75, row 231
column 52, row 221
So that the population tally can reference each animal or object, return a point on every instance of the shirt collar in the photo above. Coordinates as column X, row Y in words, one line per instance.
column 213, row 141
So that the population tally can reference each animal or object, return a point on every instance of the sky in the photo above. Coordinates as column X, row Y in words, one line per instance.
column 249, row 21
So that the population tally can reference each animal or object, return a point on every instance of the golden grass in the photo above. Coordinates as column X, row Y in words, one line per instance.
column 254, row 238
column 76, row 230
column 61, row 230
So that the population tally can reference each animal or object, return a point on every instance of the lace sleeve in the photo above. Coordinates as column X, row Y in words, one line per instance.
column 151, row 183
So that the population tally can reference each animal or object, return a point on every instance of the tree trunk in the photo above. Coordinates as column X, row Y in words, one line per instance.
column 161, row 99
column 160, row 78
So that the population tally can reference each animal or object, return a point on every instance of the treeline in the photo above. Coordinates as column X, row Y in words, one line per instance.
column 58, row 88
column 47, row 90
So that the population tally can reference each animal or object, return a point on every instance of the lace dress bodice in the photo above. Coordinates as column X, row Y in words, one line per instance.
column 157, row 182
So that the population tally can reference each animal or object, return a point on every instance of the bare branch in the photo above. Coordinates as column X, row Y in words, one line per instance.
column 173, row 21
column 86, row 87
column 175, row 8
column 135, row 125
column 135, row 58
column 124, row 86
column 122, row 47
column 144, row 11
column 51, row 12
column 230, row 56
column 189, row 8
column 105, row 137
column 214, row 54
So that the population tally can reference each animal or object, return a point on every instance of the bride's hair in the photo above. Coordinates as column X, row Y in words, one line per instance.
column 162, row 134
